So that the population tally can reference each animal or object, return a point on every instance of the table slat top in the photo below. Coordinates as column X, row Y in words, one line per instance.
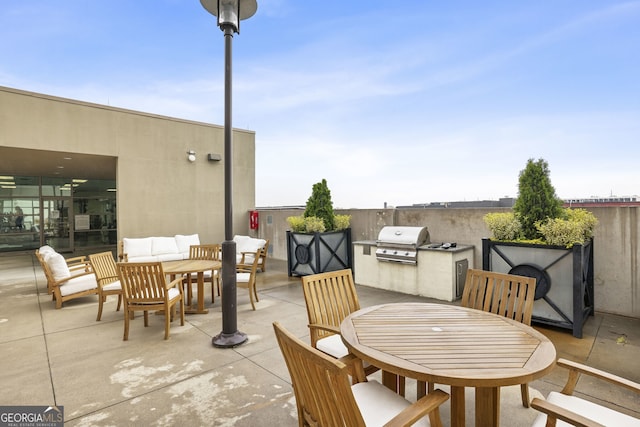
column 448, row 344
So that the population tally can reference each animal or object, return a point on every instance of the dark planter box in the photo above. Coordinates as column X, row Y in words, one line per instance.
column 311, row 253
column 564, row 278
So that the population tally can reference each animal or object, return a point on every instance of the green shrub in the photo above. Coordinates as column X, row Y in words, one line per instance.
column 537, row 200
column 342, row 222
column 575, row 226
column 297, row 224
column 318, row 215
column 310, row 224
column 503, row 225
column 320, row 205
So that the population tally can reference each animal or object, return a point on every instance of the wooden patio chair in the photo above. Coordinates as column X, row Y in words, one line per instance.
column 206, row 252
column 566, row 409
column 104, row 267
column 325, row 396
column 330, row 297
column 503, row 294
column 246, row 277
column 145, row 288
column 67, row 279
column 507, row 295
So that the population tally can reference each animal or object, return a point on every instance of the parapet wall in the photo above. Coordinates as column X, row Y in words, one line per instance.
column 616, row 242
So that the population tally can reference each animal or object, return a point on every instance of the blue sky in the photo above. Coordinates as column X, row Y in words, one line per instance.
column 403, row 101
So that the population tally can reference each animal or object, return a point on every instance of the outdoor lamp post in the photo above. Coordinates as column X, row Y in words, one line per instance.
column 229, row 13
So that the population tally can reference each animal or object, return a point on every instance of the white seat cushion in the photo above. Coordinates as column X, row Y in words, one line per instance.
column 378, row 404
column 79, row 284
column 173, row 292
column 207, row 275
column 148, row 258
column 58, row 265
column 333, row 346
column 243, row 277
column 168, row 257
column 593, row 411
column 113, row 286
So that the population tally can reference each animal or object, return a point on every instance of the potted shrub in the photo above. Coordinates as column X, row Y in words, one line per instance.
column 541, row 239
column 318, row 240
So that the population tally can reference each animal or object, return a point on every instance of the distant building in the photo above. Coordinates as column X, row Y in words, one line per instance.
column 505, row 202
column 602, row 201
column 508, row 202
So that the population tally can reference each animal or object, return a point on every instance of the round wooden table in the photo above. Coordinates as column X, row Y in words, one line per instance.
column 448, row 344
column 188, row 266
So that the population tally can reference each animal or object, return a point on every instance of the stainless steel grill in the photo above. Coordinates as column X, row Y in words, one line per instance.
column 400, row 244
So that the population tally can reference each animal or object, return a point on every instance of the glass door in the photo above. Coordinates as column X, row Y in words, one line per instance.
column 57, row 228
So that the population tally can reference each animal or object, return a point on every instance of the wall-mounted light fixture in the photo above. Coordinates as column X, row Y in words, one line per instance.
column 191, row 156
column 214, row 157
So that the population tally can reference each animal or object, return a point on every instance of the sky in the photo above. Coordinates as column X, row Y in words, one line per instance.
column 392, row 102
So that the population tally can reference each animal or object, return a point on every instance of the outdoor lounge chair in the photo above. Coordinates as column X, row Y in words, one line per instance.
column 67, row 279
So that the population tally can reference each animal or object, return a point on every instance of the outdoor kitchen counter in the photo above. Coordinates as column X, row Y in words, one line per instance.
column 439, row 273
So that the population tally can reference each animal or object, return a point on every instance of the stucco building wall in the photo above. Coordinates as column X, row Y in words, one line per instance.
column 159, row 192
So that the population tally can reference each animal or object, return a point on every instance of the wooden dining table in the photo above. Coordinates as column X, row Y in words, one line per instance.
column 187, row 267
column 449, row 344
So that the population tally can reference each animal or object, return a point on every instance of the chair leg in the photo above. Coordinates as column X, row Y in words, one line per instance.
column 127, row 315
column 524, row 391
column 167, row 321
column 251, row 299
column 119, row 302
column 146, row 318
column 100, row 302
column 181, row 312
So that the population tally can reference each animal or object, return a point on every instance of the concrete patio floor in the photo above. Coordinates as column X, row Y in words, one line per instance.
column 66, row 358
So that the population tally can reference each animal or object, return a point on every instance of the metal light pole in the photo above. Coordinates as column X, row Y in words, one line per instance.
column 229, row 13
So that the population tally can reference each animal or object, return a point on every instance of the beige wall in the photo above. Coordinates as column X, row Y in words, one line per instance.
column 616, row 242
column 159, row 191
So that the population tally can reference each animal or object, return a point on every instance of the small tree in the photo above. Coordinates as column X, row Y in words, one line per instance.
column 320, row 205
column 537, row 200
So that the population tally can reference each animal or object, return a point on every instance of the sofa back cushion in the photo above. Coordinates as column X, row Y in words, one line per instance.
column 137, row 247
column 57, row 265
column 163, row 246
column 184, row 242
column 248, row 244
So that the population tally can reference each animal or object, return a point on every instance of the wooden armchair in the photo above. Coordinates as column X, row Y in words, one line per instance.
column 206, row 252
column 325, row 397
column 330, row 297
column 503, row 294
column 67, row 279
column 261, row 254
column 246, row 277
column 565, row 409
column 104, row 267
column 145, row 288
